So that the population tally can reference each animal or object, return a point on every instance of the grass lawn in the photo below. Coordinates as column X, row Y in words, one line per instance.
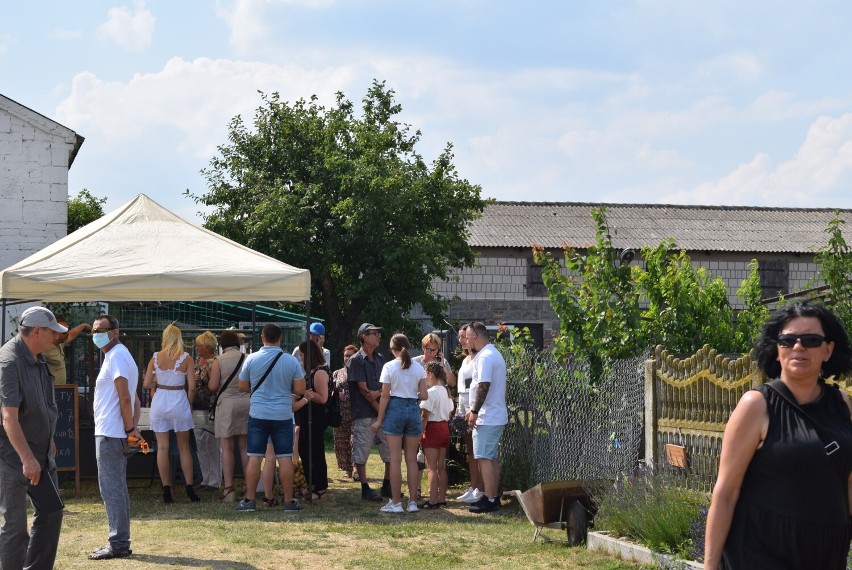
column 341, row 531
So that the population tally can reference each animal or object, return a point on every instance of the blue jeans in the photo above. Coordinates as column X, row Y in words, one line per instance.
column 112, row 481
column 277, row 432
column 19, row 549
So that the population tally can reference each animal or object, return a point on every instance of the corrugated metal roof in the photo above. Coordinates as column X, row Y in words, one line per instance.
column 694, row 228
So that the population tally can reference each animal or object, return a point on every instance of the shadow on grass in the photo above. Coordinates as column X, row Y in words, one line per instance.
column 186, row 562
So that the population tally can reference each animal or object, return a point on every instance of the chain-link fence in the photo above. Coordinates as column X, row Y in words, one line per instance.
column 561, row 427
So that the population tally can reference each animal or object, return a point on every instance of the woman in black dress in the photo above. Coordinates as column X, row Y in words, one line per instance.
column 312, row 430
column 781, row 500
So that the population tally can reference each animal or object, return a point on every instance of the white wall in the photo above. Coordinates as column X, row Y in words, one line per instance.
column 35, row 153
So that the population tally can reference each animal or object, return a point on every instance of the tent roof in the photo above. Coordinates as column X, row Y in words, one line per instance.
column 143, row 252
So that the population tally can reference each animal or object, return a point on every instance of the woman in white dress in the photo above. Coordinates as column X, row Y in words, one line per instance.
column 171, row 392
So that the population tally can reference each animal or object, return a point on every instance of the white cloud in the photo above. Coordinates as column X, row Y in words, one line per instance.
column 192, row 100
column 819, row 175
column 128, row 28
column 247, row 19
column 5, row 41
column 739, row 65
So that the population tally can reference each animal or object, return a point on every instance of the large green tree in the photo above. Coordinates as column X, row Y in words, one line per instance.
column 84, row 209
column 347, row 196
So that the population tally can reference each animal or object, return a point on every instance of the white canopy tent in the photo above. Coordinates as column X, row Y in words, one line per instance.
column 143, row 252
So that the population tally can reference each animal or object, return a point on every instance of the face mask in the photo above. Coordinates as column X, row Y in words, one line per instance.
column 101, row 339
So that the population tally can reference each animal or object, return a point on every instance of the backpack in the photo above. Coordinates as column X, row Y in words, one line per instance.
column 333, row 416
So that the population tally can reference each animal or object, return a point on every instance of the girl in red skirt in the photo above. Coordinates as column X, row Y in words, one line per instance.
column 436, row 411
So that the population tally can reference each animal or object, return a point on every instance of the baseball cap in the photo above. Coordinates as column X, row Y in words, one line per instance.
column 367, row 327
column 317, row 329
column 42, row 318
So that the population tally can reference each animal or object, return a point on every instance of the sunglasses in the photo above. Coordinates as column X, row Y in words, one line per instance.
column 807, row 340
column 101, row 330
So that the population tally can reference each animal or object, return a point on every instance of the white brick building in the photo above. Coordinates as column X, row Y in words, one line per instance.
column 506, row 286
column 35, row 155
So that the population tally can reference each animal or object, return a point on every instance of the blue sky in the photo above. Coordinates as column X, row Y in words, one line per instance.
column 721, row 103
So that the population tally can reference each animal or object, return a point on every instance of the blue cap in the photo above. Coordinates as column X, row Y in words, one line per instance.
column 317, row 329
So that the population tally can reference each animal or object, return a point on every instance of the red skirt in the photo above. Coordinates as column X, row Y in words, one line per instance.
column 437, row 435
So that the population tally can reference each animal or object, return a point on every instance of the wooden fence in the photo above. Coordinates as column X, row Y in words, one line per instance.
column 688, row 401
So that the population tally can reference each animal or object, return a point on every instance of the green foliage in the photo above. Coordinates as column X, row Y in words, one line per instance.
column 652, row 510
column 84, row 209
column 349, row 198
column 597, row 302
column 754, row 313
column 687, row 306
column 835, row 261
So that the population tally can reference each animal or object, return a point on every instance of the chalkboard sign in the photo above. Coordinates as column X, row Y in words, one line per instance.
column 67, row 430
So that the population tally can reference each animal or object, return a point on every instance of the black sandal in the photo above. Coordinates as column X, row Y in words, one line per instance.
column 428, row 505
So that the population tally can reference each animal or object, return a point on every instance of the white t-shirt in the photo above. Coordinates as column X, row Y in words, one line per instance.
column 489, row 366
column 403, row 383
column 439, row 405
column 465, row 373
column 117, row 363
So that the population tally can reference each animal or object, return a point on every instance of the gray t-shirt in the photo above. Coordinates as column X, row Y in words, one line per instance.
column 26, row 384
column 364, row 369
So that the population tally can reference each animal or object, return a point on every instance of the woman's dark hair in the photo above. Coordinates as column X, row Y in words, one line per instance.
column 400, row 343
column 317, row 357
column 229, row 338
column 766, row 348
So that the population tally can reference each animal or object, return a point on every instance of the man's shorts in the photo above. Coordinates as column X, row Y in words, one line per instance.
column 437, row 435
column 402, row 418
column 363, row 440
column 486, row 440
column 277, row 432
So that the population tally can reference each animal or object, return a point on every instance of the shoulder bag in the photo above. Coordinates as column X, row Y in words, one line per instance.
column 223, row 386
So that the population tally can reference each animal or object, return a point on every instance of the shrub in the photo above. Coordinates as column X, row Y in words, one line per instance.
column 656, row 510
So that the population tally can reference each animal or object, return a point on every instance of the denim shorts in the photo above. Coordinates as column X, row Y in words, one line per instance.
column 402, row 417
column 486, row 440
column 278, row 432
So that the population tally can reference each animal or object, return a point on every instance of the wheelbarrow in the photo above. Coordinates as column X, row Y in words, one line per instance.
column 560, row 505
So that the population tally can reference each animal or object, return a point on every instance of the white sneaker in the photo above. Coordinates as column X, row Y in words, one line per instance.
column 392, row 507
column 464, row 496
column 475, row 495
column 412, row 507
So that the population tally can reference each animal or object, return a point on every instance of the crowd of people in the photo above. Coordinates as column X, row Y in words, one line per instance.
column 782, row 498
column 260, row 405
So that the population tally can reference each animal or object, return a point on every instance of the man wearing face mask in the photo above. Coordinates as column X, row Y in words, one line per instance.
column 116, row 410
column 26, row 441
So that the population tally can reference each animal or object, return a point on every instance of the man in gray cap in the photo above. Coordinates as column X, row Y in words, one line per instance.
column 26, row 441
column 364, row 369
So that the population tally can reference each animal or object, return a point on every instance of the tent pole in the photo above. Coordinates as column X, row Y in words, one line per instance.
column 307, row 364
column 253, row 327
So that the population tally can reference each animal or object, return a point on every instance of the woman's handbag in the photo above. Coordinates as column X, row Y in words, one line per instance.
column 223, row 386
